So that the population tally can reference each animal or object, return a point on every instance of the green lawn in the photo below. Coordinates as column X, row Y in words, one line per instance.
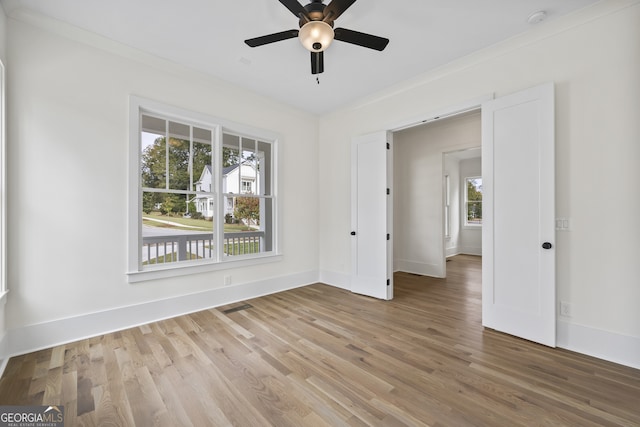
column 242, row 248
column 201, row 224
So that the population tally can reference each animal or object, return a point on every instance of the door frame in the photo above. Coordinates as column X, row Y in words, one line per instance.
column 447, row 112
column 451, row 111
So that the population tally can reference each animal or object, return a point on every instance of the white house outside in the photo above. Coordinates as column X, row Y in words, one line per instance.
column 236, row 179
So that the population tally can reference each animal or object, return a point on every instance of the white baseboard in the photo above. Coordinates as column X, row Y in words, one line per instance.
column 621, row 349
column 471, row 250
column 449, row 252
column 44, row 335
column 421, row 268
column 3, row 353
column 338, row 280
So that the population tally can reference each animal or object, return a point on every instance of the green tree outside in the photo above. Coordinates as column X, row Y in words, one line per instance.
column 247, row 208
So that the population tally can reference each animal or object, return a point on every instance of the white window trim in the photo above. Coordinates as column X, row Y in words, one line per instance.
column 135, row 272
column 465, row 224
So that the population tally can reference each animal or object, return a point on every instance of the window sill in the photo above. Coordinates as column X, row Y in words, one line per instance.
column 187, row 269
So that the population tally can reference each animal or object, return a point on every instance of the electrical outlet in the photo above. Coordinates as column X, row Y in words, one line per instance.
column 565, row 309
column 563, row 224
column 227, row 280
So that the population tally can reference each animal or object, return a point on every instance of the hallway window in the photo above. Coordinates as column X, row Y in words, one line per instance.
column 473, row 201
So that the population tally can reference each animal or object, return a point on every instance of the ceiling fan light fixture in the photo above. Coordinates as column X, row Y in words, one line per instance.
column 316, row 36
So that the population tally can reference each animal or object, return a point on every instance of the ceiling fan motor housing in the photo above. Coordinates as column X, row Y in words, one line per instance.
column 315, row 12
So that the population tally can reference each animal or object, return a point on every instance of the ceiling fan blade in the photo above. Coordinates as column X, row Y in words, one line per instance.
column 361, row 39
column 317, row 62
column 336, row 7
column 271, row 38
column 295, row 7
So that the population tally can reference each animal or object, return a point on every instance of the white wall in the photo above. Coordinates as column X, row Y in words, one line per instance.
column 68, row 132
column 418, row 183
column 592, row 58
column 3, row 326
column 470, row 238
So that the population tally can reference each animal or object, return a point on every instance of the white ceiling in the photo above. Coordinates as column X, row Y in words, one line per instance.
column 208, row 35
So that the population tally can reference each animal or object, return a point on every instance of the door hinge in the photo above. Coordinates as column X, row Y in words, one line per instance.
column 388, row 191
column 388, row 236
column 388, row 282
column 388, row 146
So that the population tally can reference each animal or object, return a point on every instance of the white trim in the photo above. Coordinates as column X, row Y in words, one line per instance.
column 45, row 335
column 449, row 252
column 443, row 113
column 470, row 250
column 186, row 267
column 418, row 267
column 616, row 348
column 335, row 279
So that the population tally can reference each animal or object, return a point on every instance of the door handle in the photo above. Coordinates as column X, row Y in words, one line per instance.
column 353, row 233
column 547, row 245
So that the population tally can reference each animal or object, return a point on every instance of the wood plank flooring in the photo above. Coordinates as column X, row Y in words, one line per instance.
column 321, row 356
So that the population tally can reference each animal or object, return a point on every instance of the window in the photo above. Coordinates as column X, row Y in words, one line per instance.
column 447, row 207
column 473, row 201
column 188, row 173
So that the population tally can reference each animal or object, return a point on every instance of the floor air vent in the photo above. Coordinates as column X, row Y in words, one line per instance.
column 238, row 308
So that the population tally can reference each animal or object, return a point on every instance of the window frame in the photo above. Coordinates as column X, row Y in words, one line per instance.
column 447, row 206
column 465, row 204
column 136, row 271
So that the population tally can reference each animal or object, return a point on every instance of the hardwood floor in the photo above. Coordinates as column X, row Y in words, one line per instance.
column 321, row 356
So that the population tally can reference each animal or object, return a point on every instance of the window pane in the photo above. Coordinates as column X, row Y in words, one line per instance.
column 153, row 153
column 248, row 167
column 230, row 164
column 266, row 223
column 228, row 211
column 168, row 236
column 474, row 201
column 153, row 125
column 249, row 230
column 474, row 213
column 264, row 169
column 202, row 150
column 179, row 150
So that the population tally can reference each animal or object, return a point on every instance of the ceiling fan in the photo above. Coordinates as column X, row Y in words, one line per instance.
column 316, row 30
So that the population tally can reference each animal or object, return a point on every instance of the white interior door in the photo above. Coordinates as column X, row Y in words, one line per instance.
column 518, row 236
column 371, row 215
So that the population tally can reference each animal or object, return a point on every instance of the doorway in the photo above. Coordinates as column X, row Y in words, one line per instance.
column 518, row 256
column 426, row 228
